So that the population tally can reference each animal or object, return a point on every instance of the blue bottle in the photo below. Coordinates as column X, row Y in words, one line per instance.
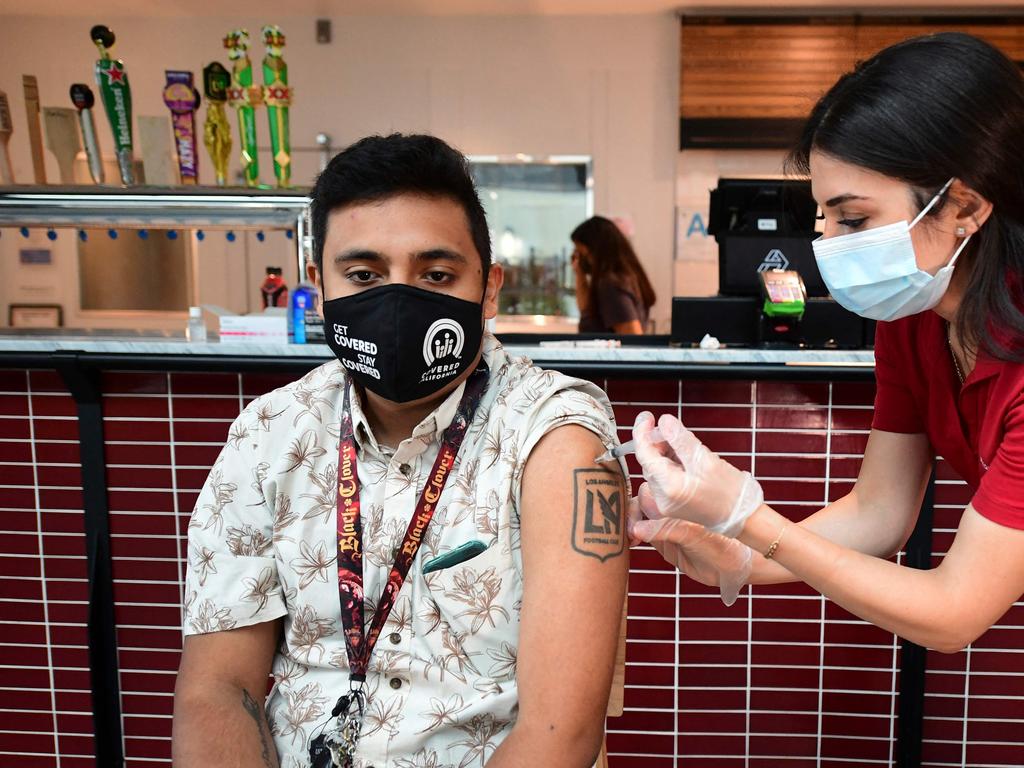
column 303, row 311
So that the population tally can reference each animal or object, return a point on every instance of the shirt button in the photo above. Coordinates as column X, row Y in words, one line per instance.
column 405, row 469
column 395, row 638
column 395, row 683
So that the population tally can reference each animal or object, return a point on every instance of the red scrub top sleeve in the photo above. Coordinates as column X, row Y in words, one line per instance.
column 1000, row 495
column 896, row 409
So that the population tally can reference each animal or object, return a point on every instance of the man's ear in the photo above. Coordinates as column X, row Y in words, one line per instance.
column 316, row 278
column 972, row 210
column 495, row 279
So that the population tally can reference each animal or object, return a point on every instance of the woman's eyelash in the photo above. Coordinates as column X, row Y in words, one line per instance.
column 852, row 223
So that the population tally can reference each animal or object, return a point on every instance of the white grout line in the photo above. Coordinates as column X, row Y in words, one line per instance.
column 677, row 604
column 42, row 563
column 821, row 655
column 750, row 589
column 967, row 701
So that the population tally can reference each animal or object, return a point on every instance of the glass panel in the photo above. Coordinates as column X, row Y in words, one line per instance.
column 130, row 272
column 531, row 209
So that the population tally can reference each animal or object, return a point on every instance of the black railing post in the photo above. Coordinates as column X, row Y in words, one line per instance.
column 914, row 658
column 83, row 384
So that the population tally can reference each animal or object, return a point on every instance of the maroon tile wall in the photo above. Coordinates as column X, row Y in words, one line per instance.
column 783, row 677
column 45, row 707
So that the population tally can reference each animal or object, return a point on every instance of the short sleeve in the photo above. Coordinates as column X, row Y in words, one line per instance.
column 1000, row 495
column 231, row 578
column 579, row 403
column 616, row 304
column 895, row 407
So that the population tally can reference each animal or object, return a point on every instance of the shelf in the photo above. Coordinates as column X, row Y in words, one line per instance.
column 210, row 207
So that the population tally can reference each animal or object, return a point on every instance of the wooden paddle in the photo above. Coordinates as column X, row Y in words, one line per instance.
column 6, row 129
column 35, row 131
column 62, row 139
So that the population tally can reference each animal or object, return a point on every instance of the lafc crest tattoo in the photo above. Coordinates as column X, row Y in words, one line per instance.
column 597, row 514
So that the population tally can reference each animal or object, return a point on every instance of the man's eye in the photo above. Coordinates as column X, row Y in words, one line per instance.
column 361, row 276
column 438, row 277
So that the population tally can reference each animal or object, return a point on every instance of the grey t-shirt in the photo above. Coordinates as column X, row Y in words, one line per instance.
column 615, row 304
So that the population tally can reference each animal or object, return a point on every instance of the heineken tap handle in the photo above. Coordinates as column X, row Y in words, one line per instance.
column 82, row 98
column 112, row 80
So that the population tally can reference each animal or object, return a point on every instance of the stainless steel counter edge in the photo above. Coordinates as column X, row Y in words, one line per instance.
column 539, row 354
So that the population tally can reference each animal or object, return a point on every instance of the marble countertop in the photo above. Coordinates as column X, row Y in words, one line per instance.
column 11, row 343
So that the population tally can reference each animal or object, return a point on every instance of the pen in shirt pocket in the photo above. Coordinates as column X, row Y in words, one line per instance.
column 460, row 554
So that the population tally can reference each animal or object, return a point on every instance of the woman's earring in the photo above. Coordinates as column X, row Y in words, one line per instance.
column 960, row 231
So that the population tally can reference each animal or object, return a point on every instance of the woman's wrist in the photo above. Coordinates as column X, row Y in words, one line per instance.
column 763, row 529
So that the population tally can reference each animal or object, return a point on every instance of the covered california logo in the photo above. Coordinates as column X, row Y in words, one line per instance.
column 443, row 340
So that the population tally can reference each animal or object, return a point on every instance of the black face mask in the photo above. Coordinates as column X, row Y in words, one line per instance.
column 403, row 343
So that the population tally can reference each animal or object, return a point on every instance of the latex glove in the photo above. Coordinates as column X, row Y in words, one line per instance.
column 704, row 556
column 689, row 482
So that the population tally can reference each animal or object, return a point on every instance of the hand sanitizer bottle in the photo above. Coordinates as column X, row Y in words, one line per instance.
column 196, row 331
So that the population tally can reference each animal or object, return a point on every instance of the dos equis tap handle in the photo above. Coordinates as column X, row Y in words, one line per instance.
column 244, row 97
column 112, row 80
column 278, row 98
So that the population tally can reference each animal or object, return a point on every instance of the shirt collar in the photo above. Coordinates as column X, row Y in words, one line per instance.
column 428, row 431
column 437, row 421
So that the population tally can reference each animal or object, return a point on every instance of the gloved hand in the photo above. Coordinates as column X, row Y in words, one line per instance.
column 689, row 482
column 702, row 555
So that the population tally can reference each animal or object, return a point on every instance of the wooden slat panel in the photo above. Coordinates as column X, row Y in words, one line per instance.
column 760, row 70
column 872, row 38
column 754, row 70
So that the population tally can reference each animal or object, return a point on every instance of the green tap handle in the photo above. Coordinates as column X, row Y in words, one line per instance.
column 278, row 98
column 112, row 80
column 244, row 97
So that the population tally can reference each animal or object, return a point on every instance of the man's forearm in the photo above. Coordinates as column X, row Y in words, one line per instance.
column 565, row 747
column 222, row 725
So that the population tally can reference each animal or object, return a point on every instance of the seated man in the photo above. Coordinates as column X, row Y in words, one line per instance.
column 414, row 539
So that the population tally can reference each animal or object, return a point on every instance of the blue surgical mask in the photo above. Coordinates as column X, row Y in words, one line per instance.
column 875, row 274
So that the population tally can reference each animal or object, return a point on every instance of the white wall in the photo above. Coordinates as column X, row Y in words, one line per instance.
column 603, row 86
column 696, row 266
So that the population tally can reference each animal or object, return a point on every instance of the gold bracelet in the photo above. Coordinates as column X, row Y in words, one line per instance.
column 774, row 546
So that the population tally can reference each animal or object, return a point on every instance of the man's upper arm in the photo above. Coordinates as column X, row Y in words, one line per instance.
column 575, row 566
column 237, row 657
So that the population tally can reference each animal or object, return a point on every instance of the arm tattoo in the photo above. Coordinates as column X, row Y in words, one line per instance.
column 597, row 516
column 256, row 713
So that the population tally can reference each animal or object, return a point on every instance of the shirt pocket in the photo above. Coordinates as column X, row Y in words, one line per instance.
column 475, row 607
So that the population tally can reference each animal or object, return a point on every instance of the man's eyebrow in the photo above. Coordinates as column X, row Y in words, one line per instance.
column 440, row 254
column 845, row 198
column 363, row 255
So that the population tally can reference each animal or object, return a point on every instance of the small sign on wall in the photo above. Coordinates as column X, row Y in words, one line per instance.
column 35, row 315
column 42, row 256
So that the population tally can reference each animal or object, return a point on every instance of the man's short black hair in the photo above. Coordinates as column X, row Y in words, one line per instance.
column 379, row 167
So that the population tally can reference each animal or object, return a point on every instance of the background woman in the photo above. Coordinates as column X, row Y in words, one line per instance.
column 612, row 290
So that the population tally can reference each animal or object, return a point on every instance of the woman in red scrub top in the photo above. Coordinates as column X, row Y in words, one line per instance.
column 917, row 161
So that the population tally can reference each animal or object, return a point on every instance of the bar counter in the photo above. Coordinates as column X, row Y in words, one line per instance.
column 105, row 442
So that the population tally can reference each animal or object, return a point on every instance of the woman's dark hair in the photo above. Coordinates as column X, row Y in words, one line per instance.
column 613, row 258
column 923, row 111
column 379, row 167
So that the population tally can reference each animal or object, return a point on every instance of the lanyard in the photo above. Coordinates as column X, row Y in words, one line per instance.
column 358, row 643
